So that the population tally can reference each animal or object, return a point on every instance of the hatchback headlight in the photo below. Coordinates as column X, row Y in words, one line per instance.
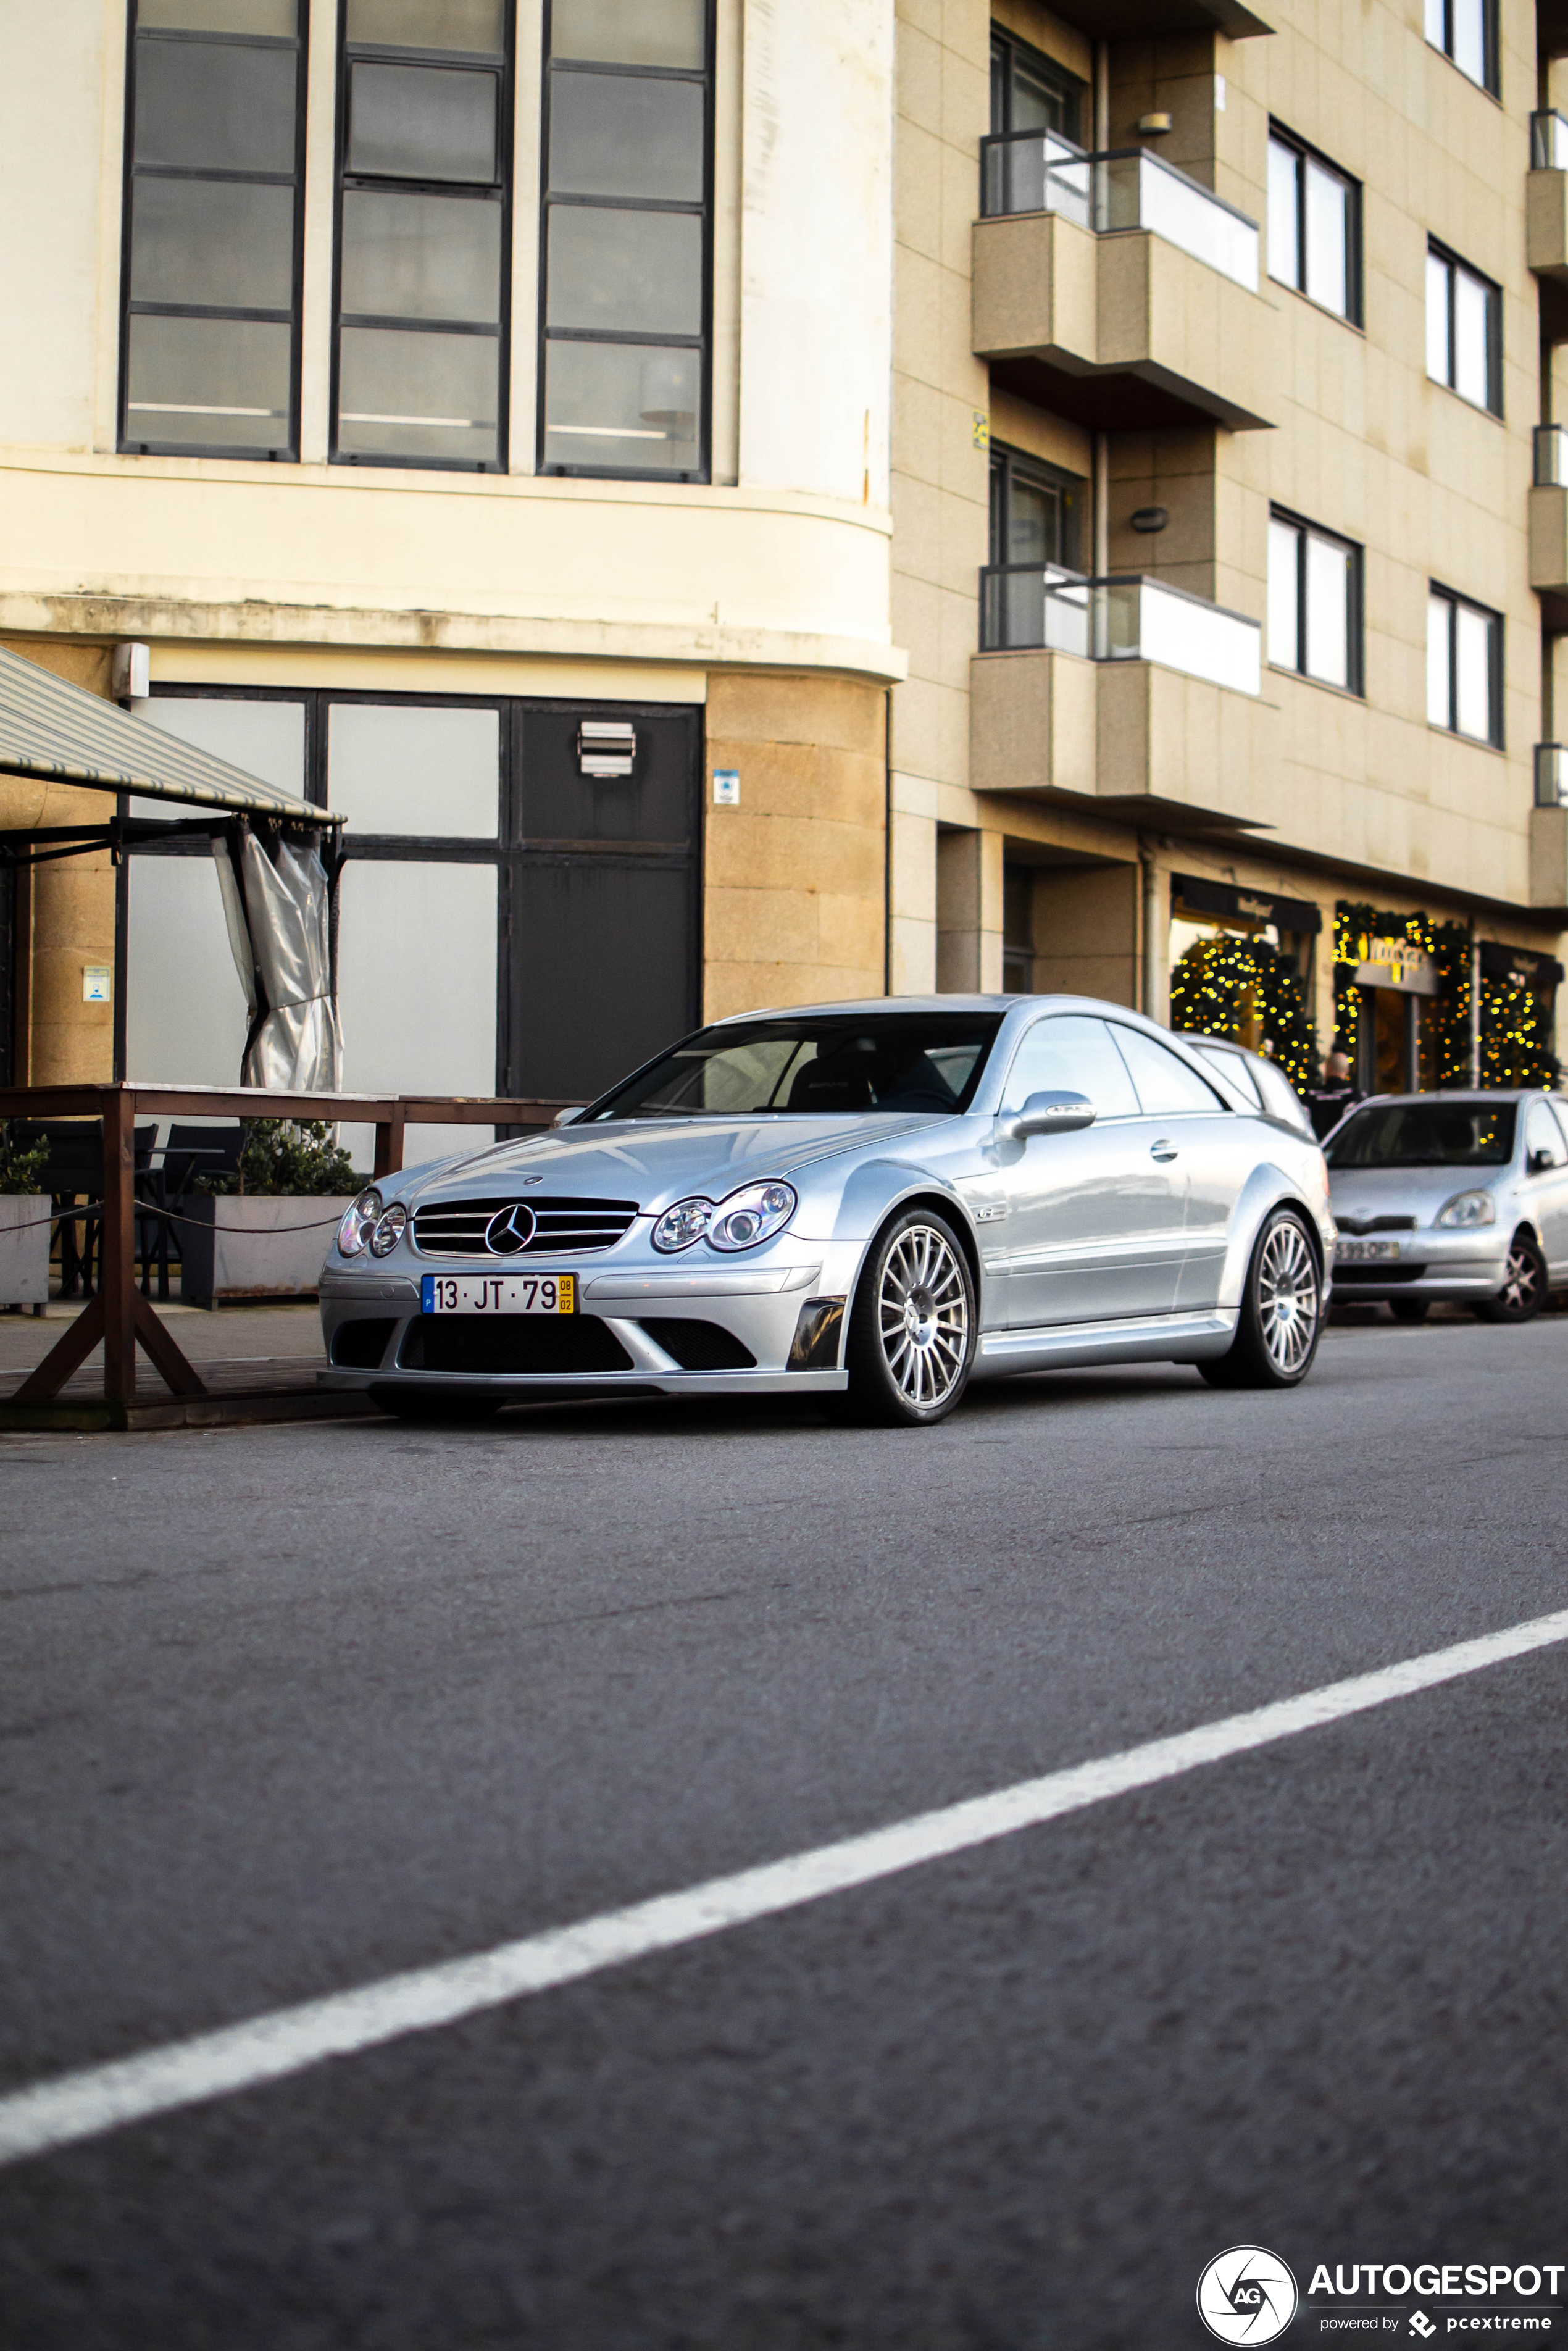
column 679, row 1227
column 752, row 1215
column 391, row 1226
column 1466, row 1210
column 359, row 1223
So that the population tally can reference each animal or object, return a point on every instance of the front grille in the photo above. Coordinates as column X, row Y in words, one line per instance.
column 512, row 1343
column 456, row 1227
column 1345, row 1274
column 1359, row 1225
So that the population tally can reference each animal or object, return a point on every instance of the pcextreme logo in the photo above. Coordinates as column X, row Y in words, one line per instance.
column 1247, row 2296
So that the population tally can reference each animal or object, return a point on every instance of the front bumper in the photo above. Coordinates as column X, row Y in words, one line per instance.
column 764, row 1329
column 1460, row 1267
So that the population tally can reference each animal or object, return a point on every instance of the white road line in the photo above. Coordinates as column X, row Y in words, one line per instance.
column 267, row 2048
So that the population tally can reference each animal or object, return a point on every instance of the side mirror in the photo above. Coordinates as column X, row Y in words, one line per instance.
column 569, row 1117
column 1539, row 1161
column 1052, row 1113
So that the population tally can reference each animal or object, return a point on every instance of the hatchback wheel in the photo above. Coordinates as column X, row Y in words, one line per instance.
column 1523, row 1291
column 1281, row 1316
column 912, row 1328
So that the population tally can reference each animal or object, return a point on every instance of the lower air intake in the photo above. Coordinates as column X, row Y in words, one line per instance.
column 512, row 1343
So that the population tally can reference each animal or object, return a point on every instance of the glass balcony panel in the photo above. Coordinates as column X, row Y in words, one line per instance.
column 208, row 383
column 1119, row 619
column 1184, row 214
column 212, row 105
column 1551, row 456
column 428, row 398
column 1550, row 774
column 1548, row 142
column 1180, row 632
column 1114, row 191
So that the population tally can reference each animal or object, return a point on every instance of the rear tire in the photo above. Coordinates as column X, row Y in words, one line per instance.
column 1523, row 1291
column 1281, row 1316
column 436, row 1411
column 912, row 1328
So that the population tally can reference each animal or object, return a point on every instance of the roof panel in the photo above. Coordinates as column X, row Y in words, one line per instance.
column 57, row 731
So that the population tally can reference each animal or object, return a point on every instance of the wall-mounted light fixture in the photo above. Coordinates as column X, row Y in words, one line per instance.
column 130, row 672
column 1149, row 518
column 606, row 747
column 1154, row 126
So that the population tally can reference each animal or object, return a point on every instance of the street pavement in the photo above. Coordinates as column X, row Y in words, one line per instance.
column 283, row 1711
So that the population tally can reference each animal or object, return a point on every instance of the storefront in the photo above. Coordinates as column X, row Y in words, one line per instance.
column 1396, row 1035
column 1242, row 966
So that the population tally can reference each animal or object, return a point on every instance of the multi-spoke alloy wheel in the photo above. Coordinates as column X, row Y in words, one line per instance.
column 1523, row 1291
column 1281, row 1317
column 912, row 1334
column 1288, row 1297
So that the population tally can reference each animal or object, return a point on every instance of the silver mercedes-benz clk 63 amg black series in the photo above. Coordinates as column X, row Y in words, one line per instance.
column 876, row 1202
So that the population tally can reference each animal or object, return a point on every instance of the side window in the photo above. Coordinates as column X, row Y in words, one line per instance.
column 1232, row 1066
column 1166, row 1085
column 1071, row 1054
column 1541, row 1133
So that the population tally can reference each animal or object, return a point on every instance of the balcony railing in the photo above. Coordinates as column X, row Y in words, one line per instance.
column 1548, row 142
column 1024, row 606
column 1551, row 775
column 1551, row 456
column 1124, row 188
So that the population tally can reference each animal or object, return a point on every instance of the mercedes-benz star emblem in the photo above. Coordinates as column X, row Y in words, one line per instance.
column 511, row 1228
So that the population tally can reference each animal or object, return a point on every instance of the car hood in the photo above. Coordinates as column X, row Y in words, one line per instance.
column 657, row 1161
column 1418, row 1192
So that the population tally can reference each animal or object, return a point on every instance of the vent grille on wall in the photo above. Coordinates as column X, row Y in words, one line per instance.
column 606, row 747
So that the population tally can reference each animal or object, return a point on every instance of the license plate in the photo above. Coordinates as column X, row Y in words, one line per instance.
column 1365, row 1252
column 498, row 1293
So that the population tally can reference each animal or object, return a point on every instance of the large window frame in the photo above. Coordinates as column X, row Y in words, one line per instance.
column 1441, row 257
column 1007, row 55
column 1008, row 468
column 140, row 444
column 1304, row 160
column 499, row 191
column 1305, row 534
column 1454, row 606
column 546, row 334
column 1448, row 32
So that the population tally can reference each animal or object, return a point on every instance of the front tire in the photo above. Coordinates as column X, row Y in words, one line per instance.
column 914, row 1327
column 1281, row 1316
column 1523, row 1291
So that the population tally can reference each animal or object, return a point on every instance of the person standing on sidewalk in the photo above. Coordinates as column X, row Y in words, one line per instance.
column 1338, row 1093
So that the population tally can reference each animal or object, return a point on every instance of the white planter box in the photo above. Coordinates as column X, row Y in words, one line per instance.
column 237, row 1248
column 24, row 1248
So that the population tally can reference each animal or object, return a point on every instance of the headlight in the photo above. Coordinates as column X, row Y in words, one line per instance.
column 752, row 1215
column 389, row 1229
column 1467, row 1208
column 359, row 1223
column 679, row 1227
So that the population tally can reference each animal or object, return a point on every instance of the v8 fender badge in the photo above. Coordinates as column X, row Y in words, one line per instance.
column 1247, row 2296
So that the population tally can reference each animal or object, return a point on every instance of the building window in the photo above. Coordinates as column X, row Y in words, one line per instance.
column 215, row 165
column 423, row 233
column 1464, row 330
column 1029, row 93
column 1465, row 31
column 1314, row 226
column 1018, row 930
column 626, row 259
column 1037, row 511
column 1314, row 603
column 1464, row 667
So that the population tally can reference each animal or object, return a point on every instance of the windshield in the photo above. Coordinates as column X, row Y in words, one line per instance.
column 810, row 1064
column 1427, row 1135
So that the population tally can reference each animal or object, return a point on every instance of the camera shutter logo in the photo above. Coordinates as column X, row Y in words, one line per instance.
column 1247, row 2296
column 511, row 1228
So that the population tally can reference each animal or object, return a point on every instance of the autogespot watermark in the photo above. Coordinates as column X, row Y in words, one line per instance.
column 1248, row 2294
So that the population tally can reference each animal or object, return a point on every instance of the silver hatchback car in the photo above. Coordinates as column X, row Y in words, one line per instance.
column 1459, row 1196
column 876, row 1202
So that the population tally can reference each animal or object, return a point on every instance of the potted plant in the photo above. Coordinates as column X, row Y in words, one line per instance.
column 24, row 1221
column 263, row 1231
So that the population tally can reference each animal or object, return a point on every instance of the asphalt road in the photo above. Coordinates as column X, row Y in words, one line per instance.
column 283, row 1711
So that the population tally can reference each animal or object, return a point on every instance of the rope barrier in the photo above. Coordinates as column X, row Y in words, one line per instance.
column 169, row 1216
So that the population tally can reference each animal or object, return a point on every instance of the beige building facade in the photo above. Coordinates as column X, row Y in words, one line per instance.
column 742, row 503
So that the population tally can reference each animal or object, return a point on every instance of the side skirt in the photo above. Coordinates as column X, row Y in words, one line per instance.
column 1151, row 1339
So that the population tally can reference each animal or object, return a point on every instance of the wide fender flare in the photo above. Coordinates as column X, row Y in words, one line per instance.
column 876, row 1189
column 1267, row 1188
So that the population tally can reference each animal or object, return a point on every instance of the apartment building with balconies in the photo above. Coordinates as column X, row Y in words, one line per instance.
column 1223, row 353
column 741, row 502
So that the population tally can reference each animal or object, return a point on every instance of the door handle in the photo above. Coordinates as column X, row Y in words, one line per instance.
column 1163, row 1150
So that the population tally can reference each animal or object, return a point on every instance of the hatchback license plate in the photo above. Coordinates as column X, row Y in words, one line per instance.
column 1365, row 1252
column 498, row 1293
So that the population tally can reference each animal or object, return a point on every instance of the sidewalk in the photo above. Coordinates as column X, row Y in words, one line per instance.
column 260, row 1361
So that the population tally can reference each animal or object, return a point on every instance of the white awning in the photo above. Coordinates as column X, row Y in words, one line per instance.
column 58, row 732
